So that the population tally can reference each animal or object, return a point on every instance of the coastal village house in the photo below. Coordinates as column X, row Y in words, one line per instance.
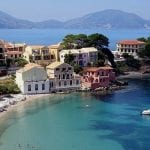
column 2, row 53
column 15, row 50
column 32, row 79
column 96, row 77
column 131, row 47
column 2, row 59
column 54, row 50
column 81, row 56
column 62, row 77
column 39, row 54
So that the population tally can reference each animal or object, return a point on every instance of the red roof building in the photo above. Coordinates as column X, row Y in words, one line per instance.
column 132, row 47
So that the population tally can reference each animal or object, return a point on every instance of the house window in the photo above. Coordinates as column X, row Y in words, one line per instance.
column 43, row 86
column 67, row 76
column 29, row 87
column 57, row 69
column 69, row 68
column 65, row 83
column 51, row 84
column 77, row 82
column 36, row 87
column 60, row 83
column 63, row 69
column 63, row 76
column 96, row 80
column 70, row 82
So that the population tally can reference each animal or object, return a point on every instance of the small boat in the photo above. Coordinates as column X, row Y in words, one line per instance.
column 146, row 112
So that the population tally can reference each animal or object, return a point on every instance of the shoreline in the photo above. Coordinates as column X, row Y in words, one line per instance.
column 134, row 75
column 29, row 98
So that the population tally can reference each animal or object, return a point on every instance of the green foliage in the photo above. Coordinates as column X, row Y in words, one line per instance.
column 8, row 86
column 143, row 39
column 109, row 55
column 77, row 69
column 125, row 55
column 69, row 59
column 82, row 40
column 96, row 40
column 21, row 62
column 121, row 67
column 133, row 63
column 145, row 53
column 9, row 62
column 99, row 63
column 129, row 64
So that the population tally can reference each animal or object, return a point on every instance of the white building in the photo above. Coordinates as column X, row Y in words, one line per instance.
column 32, row 79
column 131, row 47
column 62, row 77
column 82, row 56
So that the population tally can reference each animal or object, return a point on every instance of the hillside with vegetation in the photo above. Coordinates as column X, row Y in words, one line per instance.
column 99, row 41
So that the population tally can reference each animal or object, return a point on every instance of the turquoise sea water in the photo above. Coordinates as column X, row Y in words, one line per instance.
column 63, row 122
column 52, row 36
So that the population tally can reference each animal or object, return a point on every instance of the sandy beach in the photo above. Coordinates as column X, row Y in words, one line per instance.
column 29, row 98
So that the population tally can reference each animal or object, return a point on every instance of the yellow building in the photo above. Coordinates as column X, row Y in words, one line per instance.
column 54, row 50
column 39, row 54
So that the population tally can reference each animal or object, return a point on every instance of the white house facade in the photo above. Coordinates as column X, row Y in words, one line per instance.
column 131, row 47
column 82, row 56
column 32, row 79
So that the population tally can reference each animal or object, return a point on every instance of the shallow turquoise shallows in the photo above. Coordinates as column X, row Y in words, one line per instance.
column 81, row 121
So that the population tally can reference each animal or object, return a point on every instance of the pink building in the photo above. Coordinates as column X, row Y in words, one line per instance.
column 95, row 77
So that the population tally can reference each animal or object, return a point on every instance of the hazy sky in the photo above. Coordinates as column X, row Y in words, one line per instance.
column 38, row 10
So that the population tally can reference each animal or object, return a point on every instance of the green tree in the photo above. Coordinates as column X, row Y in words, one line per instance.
column 69, row 59
column 21, row 62
column 142, row 39
column 145, row 53
column 77, row 69
column 98, row 41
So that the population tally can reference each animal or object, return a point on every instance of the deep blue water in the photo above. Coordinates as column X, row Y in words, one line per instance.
column 111, row 122
column 52, row 36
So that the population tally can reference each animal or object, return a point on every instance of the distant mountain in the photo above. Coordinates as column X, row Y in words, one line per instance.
column 108, row 19
column 49, row 24
column 9, row 22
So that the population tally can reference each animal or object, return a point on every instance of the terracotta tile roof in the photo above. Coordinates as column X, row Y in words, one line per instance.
column 130, row 42
column 94, row 69
column 13, row 52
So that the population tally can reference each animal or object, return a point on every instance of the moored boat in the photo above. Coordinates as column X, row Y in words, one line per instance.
column 146, row 112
